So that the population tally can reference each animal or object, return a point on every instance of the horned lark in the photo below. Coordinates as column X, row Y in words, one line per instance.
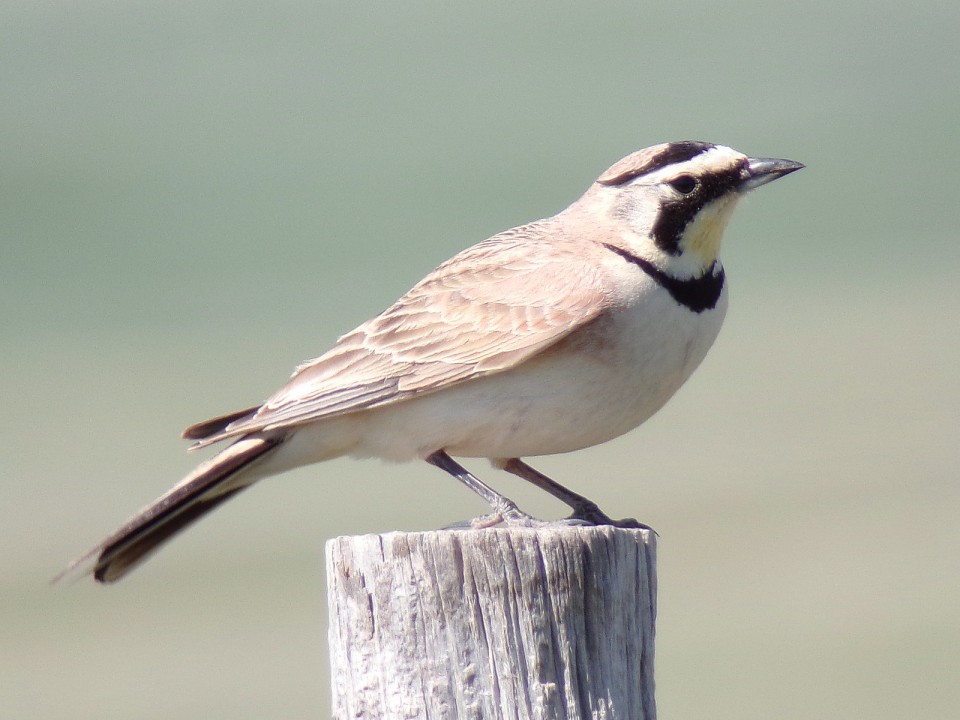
column 546, row 338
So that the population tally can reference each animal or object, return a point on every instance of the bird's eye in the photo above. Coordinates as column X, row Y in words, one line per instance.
column 684, row 184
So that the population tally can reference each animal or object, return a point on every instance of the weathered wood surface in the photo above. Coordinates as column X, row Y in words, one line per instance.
column 549, row 624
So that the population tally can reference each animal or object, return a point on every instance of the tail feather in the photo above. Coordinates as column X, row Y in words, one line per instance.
column 201, row 491
column 126, row 553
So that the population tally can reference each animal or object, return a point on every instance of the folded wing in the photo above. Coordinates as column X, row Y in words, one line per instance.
column 484, row 311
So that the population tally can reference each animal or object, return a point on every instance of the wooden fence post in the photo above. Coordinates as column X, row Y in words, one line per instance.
column 551, row 623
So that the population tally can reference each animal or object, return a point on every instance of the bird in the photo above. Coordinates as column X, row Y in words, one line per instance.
column 547, row 338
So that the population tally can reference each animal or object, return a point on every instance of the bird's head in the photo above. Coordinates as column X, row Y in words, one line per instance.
column 673, row 201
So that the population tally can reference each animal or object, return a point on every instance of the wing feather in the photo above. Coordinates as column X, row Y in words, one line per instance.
column 484, row 311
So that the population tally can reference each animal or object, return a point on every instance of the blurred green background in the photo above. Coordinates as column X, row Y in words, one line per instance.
column 194, row 197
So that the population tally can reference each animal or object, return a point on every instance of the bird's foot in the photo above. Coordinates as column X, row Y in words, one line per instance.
column 586, row 515
column 590, row 514
column 508, row 514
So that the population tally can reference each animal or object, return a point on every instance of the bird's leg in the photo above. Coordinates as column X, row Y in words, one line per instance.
column 504, row 509
column 583, row 508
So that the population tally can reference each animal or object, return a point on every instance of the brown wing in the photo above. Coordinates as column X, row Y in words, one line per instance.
column 484, row 311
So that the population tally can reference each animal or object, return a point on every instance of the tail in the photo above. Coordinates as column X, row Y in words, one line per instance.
column 210, row 484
